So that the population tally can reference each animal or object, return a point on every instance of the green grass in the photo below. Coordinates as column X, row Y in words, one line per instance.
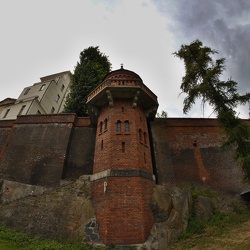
column 12, row 240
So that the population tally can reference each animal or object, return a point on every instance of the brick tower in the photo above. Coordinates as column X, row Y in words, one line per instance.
column 122, row 180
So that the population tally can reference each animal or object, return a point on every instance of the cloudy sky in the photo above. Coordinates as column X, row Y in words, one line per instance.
column 40, row 38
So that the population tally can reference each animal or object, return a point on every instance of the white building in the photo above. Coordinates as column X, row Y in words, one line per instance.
column 45, row 97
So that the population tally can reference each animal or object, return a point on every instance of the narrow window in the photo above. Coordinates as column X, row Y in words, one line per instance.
column 140, row 134
column 118, row 126
column 57, row 98
column 26, row 91
column 42, row 87
column 101, row 127
column 62, row 88
column 52, row 110
column 22, row 109
column 102, row 145
column 123, row 147
column 127, row 126
column 106, row 124
column 6, row 113
column 145, row 160
column 145, row 137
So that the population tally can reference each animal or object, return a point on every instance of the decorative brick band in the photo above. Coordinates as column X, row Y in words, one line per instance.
column 122, row 173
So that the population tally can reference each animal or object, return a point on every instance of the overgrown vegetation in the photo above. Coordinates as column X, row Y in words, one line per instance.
column 201, row 233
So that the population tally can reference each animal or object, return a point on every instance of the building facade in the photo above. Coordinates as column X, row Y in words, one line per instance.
column 45, row 97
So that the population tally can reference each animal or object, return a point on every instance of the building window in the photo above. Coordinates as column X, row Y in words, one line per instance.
column 106, row 124
column 145, row 137
column 145, row 160
column 6, row 113
column 22, row 109
column 42, row 87
column 140, row 134
column 118, row 127
column 101, row 123
column 57, row 98
column 26, row 91
column 123, row 147
column 127, row 126
column 52, row 110
column 62, row 88
column 102, row 145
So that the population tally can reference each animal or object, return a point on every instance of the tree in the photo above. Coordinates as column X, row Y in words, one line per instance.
column 88, row 74
column 202, row 80
column 163, row 114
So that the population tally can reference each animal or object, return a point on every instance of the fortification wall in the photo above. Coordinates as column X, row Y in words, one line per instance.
column 40, row 149
column 189, row 150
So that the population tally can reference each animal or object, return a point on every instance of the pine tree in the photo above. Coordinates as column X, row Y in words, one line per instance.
column 202, row 80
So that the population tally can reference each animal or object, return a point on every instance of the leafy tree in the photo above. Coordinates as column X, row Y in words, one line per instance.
column 88, row 74
column 163, row 114
column 202, row 80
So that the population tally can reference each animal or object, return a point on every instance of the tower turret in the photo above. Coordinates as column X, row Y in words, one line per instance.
column 122, row 179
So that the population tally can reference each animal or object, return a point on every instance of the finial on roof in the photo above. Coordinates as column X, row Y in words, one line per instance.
column 121, row 65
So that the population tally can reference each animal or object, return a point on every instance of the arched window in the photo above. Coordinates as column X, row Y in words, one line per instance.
column 101, row 123
column 105, row 124
column 140, row 134
column 145, row 137
column 118, row 126
column 127, row 126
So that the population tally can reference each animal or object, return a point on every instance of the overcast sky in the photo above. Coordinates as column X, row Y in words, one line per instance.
column 40, row 38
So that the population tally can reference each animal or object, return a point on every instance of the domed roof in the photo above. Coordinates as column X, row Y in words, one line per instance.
column 122, row 74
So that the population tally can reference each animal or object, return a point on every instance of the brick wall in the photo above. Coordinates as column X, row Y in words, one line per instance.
column 109, row 145
column 123, row 210
column 189, row 150
column 36, row 149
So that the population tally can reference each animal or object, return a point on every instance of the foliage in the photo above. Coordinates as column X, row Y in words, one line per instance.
column 163, row 114
column 12, row 240
column 88, row 74
column 202, row 80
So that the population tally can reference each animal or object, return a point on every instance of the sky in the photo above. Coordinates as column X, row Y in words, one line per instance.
column 39, row 38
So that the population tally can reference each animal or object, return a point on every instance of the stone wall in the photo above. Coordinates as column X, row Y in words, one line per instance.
column 189, row 150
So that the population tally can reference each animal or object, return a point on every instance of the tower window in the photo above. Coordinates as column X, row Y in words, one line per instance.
column 145, row 137
column 101, row 123
column 127, row 126
column 145, row 160
column 140, row 134
column 106, row 124
column 102, row 145
column 118, row 126
column 123, row 147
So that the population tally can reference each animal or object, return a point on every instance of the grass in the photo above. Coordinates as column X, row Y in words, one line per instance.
column 12, row 240
column 221, row 231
